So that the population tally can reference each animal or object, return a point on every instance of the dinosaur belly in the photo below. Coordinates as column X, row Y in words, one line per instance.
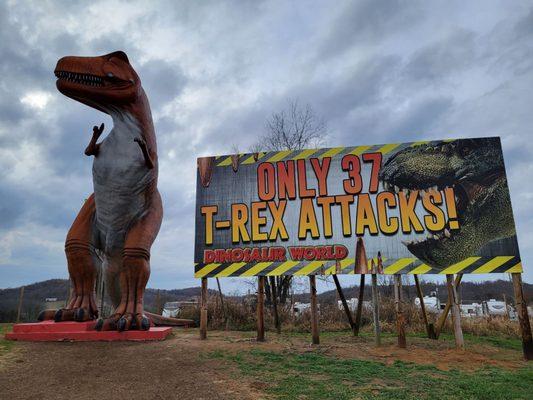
column 121, row 180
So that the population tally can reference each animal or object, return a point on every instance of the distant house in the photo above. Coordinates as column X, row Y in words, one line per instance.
column 53, row 303
column 352, row 304
column 299, row 308
column 173, row 309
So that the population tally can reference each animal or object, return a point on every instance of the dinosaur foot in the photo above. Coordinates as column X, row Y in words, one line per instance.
column 46, row 315
column 123, row 322
column 80, row 314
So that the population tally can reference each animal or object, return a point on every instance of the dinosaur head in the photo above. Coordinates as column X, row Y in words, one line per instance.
column 475, row 170
column 99, row 82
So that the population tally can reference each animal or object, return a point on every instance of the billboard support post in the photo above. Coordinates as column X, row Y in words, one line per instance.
column 523, row 317
column 203, row 310
column 456, row 312
column 19, row 309
column 400, row 320
column 375, row 309
column 224, row 312
column 261, row 309
column 314, row 310
column 359, row 305
column 442, row 318
column 344, row 304
column 429, row 327
column 275, row 304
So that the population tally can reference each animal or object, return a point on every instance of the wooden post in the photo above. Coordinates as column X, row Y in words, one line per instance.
column 429, row 327
column 274, row 295
column 261, row 309
column 203, row 310
column 442, row 318
column 375, row 309
column 523, row 317
column 314, row 310
column 222, row 304
column 21, row 296
column 506, row 306
column 359, row 305
column 344, row 304
column 400, row 320
column 456, row 312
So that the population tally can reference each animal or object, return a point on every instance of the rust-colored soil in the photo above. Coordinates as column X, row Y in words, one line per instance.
column 179, row 367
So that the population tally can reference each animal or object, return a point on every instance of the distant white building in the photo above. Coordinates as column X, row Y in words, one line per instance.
column 495, row 307
column 490, row 307
column 172, row 309
column 352, row 304
column 431, row 302
column 299, row 308
column 471, row 310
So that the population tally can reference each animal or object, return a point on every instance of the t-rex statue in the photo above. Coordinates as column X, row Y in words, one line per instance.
column 118, row 223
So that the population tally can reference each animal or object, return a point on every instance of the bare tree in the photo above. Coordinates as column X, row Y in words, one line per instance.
column 294, row 128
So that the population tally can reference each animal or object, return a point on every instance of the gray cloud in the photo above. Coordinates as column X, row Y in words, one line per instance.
column 377, row 72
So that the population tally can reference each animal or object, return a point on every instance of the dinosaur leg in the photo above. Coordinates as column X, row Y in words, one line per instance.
column 135, row 271
column 82, row 267
column 116, row 283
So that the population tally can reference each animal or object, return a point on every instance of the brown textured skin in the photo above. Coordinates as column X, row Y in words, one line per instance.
column 125, row 280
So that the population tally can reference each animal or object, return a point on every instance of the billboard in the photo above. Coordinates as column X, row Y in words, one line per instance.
column 432, row 207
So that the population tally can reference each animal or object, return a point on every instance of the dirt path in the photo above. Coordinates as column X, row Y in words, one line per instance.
column 172, row 369
column 178, row 368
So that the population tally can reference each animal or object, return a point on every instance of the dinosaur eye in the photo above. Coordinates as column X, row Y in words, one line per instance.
column 110, row 75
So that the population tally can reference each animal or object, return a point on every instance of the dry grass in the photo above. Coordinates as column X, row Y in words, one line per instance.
column 242, row 316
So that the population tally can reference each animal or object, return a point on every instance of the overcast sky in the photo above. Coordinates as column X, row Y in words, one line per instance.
column 376, row 71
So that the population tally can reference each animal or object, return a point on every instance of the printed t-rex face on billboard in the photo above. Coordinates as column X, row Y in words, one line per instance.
column 118, row 223
column 475, row 170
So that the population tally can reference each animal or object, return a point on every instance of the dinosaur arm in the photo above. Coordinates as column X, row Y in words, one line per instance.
column 146, row 153
column 93, row 147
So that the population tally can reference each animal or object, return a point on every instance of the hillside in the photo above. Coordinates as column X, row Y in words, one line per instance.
column 35, row 295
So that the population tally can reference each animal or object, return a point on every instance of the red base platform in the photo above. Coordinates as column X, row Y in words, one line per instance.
column 50, row 331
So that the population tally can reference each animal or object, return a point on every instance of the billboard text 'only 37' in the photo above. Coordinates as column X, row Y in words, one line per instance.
column 438, row 207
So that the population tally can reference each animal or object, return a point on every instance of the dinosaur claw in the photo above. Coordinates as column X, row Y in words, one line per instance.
column 79, row 314
column 145, row 324
column 58, row 317
column 121, row 325
column 99, row 324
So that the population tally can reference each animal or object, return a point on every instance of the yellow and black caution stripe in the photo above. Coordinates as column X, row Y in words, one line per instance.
column 285, row 155
column 407, row 265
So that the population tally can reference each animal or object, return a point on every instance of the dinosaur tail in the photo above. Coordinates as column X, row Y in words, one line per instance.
column 159, row 320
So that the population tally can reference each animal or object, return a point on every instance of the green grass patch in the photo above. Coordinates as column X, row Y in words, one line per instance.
column 503, row 342
column 5, row 345
column 312, row 375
